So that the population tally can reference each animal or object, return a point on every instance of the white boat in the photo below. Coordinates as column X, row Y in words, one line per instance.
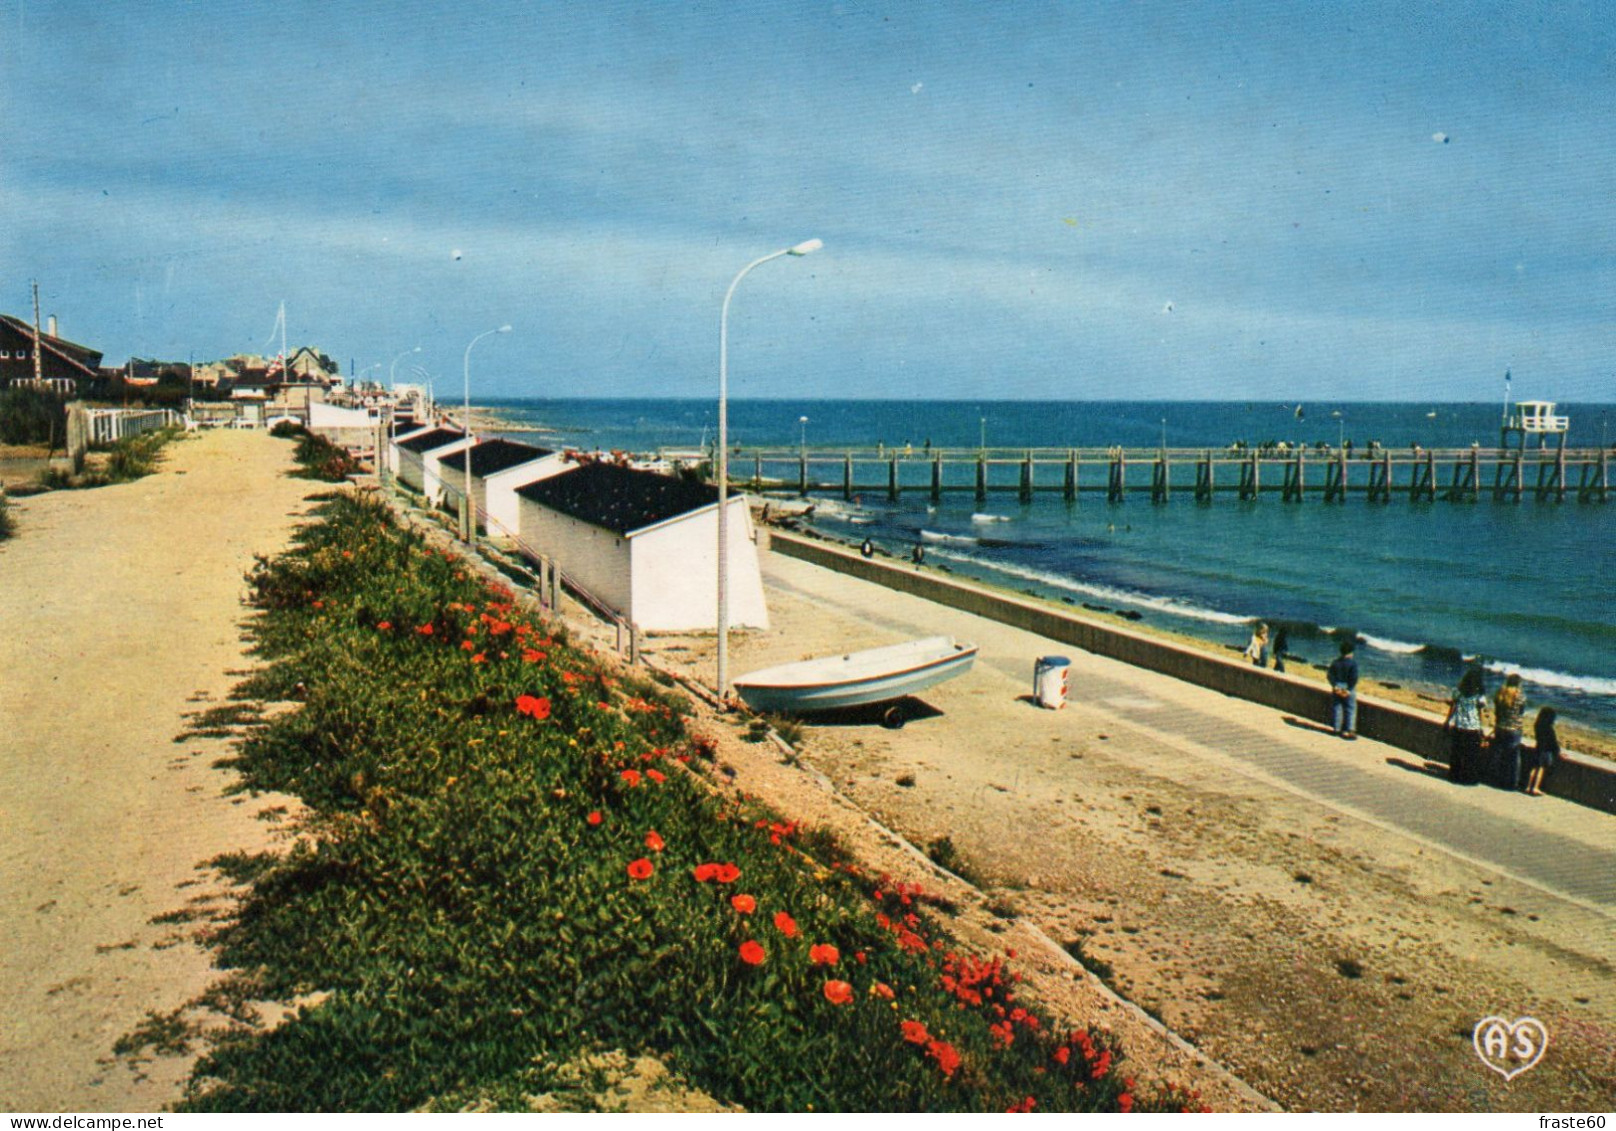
column 876, row 675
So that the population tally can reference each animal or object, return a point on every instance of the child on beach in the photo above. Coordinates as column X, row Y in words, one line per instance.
column 1257, row 649
column 1343, row 677
column 1545, row 750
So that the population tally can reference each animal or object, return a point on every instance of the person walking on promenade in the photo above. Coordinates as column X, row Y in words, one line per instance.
column 1343, row 677
column 1509, row 714
column 868, row 548
column 1282, row 641
column 918, row 555
column 1257, row 649
column 1466, row 724
column 1545, row 750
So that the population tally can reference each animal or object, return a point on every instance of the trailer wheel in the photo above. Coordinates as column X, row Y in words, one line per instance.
column 893, row 717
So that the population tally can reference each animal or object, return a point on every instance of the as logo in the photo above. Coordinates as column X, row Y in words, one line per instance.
column 1510, row 1047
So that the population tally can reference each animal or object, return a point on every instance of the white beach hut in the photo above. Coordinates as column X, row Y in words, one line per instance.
column 410, row 449
column 498, row 467
column 645, row 544
column 441, row 464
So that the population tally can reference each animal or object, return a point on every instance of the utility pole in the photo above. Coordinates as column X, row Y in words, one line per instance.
column 39, row 360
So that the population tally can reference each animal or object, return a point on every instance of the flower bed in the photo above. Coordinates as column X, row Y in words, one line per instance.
column 507, row 861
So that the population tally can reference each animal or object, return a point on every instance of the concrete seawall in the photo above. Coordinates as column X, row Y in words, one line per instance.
column 1584, row 782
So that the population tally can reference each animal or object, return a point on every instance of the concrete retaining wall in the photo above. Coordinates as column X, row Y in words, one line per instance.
column 1585, row 782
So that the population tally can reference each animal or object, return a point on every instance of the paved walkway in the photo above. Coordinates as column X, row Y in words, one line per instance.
column 1563, row 849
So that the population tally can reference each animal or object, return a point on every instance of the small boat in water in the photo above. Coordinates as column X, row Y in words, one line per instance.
column 856, row 679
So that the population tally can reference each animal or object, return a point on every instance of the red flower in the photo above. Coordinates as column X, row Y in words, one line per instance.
column 1062, row 1055
column 425, row 630
column 838, row 993
column 654, row 842
column 595, row 818
column 532, row 655
column 533, row 705
column 480, row 658
column 726, row 873
column 704, row 872
column 656, row 776
column 882, row 990
column 915, row 1033
column 1124, row 1103
column 640, row 870
column 824, row 954
column 467, row 646
column 745, row 904
column 751, row 953
column 632, row 777
column 785, row 924
column 945, row 1055
column 385, row 626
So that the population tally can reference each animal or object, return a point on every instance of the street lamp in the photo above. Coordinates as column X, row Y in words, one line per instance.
column 1164, row 434
column 471, row 516
column 982, row 434
column 392, row 370
column 802, row 440
column 1340, row 429
column 801, row 249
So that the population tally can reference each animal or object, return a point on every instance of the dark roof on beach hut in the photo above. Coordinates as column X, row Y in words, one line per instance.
column 426, row 441
column 620, row 499
column 497, row 455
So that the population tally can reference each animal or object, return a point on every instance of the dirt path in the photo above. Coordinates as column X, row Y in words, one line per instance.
column 1326, row 919
column 121, row 608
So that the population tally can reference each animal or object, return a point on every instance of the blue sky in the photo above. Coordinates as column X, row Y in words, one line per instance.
column 1074, row 201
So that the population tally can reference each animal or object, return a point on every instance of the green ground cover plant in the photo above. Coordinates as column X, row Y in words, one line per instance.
column 321, row 459
column 127, row 460
column 509, row 858
column 7, row 526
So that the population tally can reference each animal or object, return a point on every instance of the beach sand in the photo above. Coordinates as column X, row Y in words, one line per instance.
column 122, row 608
column 1326, row 957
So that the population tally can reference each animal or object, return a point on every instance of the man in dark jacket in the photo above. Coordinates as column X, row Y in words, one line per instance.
column 1343, row 677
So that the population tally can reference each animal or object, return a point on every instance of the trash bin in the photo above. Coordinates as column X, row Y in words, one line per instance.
column 1049, row 681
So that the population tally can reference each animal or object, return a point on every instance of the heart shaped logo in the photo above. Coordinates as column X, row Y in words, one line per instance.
column 1510, row 1047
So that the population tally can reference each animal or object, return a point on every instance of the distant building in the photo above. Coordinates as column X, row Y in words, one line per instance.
column 646, row 545
column 64, row 365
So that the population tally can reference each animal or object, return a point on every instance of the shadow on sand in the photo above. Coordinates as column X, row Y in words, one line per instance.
column 893, row 714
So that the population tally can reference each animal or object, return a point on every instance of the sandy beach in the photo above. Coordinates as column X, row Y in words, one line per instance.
column 122, row 606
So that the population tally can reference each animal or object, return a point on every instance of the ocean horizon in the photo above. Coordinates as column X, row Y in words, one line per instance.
column 1428, row 587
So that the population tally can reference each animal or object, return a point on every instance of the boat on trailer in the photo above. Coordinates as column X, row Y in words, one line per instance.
column 857, row 679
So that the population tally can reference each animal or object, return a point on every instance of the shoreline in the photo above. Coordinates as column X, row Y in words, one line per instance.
column 1576, row 737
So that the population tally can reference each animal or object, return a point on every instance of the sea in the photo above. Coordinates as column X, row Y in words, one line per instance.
column 1427, row 587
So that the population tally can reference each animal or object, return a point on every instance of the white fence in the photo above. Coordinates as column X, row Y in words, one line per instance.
column 109, row 425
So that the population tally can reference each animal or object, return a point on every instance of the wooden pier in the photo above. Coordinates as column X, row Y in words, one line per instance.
column 1295, row 475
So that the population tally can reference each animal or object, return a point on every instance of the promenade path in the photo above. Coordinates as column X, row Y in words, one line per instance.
column 1563, row 849
column 1326, row 918
column 121, row 609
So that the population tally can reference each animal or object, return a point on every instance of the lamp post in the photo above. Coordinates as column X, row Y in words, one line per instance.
column 1340, row 429
column 1164, row 435
column 392, row 370
column 802, row 439
column 798, row 250
column 471, row 516
column 982, row 434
